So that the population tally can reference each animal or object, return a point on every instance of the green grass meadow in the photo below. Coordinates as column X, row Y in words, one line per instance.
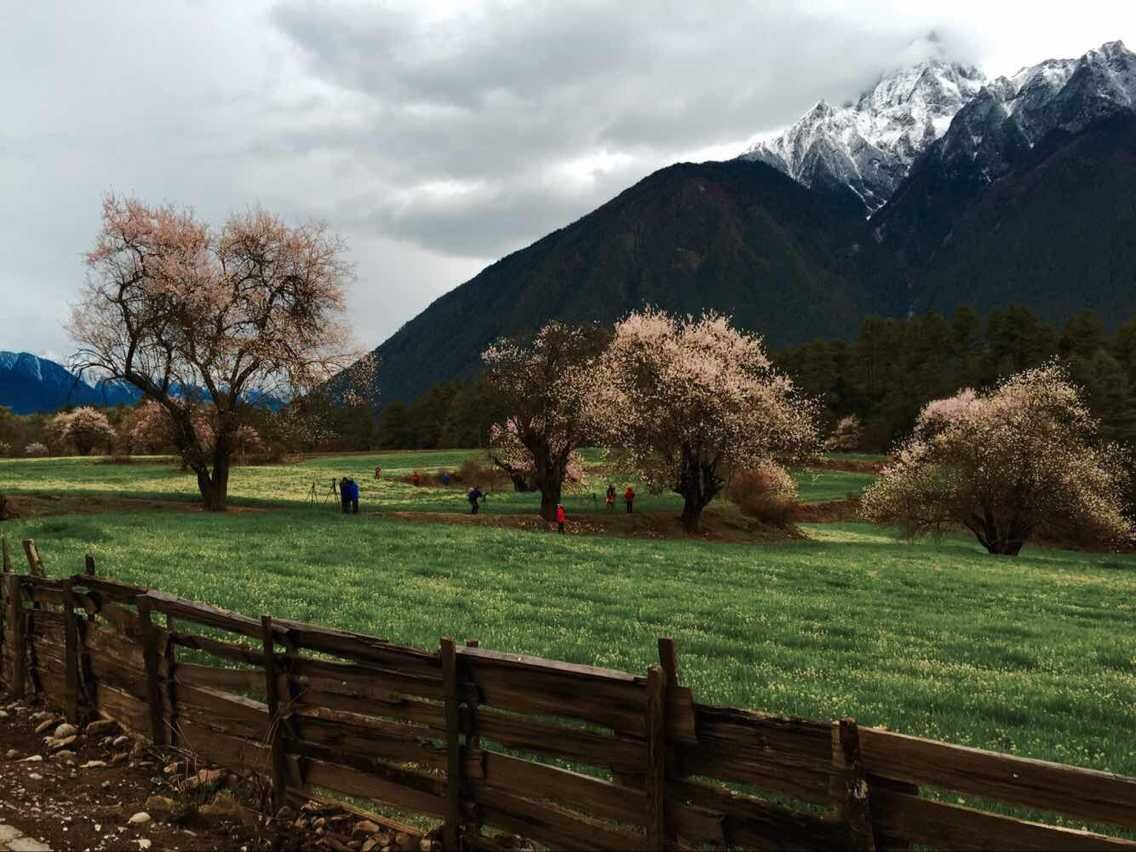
column 1034, row 656
column 158, row 478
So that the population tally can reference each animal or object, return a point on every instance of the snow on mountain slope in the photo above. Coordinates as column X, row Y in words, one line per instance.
column 1015, row 113
column 869, row 146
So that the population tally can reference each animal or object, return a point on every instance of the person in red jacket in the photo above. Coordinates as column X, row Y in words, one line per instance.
column 561, row 517
column 629, row 498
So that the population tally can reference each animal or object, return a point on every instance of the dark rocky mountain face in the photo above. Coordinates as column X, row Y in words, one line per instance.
column 1056, row 232
column 737, row 237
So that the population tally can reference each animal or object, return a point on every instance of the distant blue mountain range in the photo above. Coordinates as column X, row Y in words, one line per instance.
column 30, row 384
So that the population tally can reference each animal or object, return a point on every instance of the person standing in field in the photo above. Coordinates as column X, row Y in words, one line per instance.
column 416, row 479
column 561, row 517
column 349, row 493
column 378, row 472
column 474, row 497
column 629, row 498
column 609, row 497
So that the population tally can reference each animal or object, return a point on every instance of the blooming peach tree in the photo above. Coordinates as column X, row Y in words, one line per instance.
column 197, row 319
column 1023, row 458
column 692, row 401
column 542, row 385
column 84, row 428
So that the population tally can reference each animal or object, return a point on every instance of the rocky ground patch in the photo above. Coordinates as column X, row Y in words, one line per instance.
column 96, row 788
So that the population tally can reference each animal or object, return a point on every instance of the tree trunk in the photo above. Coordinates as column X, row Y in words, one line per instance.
column 997, row 540
column 551, row 485
column 1004, row 546
column 214, row 485
column 698, row 484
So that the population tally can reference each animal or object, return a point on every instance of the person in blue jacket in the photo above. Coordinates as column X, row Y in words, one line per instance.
column 349, row 493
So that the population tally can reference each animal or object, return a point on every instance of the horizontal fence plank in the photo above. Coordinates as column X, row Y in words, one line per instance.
column 388, row 706
column 205, row 614
column 425, row 795
column 532, row 685
column 553, row 825
column 130, row 712
column 791, row 757
column 232, row 680
column 362, row 648
column 223, row 749
column 105, row 644
column 224, row 650
column 355, row 734
column 224, row 711
column 592, row 796
column 121, row 618
column 111, row 589
column 370, row 681
column 952, row 827
column 1081, row 793
column 746, row 821
column 619, row 753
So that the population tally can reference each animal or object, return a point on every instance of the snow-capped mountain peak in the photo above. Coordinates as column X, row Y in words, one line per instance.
column 868, row 146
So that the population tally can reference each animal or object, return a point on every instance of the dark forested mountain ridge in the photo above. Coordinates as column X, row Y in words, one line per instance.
column 737, row 237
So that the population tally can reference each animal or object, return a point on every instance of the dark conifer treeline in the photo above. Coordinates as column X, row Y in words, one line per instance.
column 893, row 367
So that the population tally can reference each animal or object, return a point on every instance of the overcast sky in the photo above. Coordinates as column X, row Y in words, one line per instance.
column 435, row 137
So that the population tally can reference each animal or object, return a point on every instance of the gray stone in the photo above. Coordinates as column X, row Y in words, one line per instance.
column 27, row 844
column 9, row 832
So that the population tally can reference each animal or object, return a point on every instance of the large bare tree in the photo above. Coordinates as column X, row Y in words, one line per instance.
column 196, row 319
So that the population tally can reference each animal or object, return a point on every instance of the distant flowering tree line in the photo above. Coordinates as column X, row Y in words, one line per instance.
column 202, row 321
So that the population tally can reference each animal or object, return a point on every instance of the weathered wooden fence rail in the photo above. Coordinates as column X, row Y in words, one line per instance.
column 571, row 756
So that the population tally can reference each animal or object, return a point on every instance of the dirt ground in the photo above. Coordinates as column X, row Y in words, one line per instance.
column 38, row 505
column 654, row 525
column 106, row 791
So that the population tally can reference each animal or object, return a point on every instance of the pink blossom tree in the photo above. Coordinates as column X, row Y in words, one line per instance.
column 542, row 385
column 84, row 428
column 196, row 318
column 1023, row 458
column 692, row 401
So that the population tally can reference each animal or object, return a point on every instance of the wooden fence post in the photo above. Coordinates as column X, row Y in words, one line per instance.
column 276, row 723
column 13, row 589
column 451, row 839
column 71, row 655
column 7, row 557
column 153, row 684
column 850, row 787
column 35, row 564
column 169, row 655
column 656, row 780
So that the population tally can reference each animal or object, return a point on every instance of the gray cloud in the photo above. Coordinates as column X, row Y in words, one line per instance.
column 436, row 135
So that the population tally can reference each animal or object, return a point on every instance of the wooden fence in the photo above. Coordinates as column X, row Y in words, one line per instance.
column 570, row 756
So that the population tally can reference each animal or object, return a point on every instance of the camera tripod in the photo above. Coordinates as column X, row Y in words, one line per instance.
column 331, row 493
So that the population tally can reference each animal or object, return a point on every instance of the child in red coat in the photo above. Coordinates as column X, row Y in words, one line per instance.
column 561, row 517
